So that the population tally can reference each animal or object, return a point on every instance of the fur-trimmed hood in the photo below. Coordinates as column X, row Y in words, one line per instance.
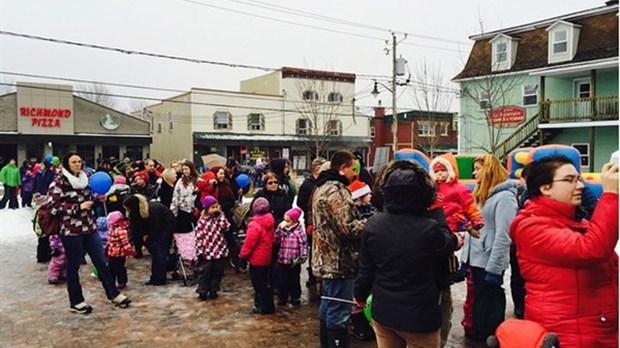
column 143, row 205
column 449, row 162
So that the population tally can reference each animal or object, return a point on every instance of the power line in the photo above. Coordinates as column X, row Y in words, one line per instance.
column 309, row 25
column 134, row 52
column 343, row 21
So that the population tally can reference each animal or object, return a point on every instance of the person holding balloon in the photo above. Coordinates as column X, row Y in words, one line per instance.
column 72, row 200
column 401, row 258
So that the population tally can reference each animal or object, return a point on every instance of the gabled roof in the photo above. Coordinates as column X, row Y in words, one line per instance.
column 502, row 36
column 598, row 40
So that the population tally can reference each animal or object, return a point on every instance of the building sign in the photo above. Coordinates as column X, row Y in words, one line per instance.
column 44, row 117
column 507, row 116
column 110, row 121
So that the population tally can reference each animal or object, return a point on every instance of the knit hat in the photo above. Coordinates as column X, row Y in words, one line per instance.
column 260, row 206
column 114, row 218
column 208, row 202
column 358, row 189
column 141, row 175
column 294, row 214
column 120, row 180
column 439, row 167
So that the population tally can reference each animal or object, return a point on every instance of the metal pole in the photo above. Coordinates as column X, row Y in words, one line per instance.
column 394, row 109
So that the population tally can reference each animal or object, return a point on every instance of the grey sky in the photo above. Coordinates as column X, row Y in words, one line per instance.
column 197, row 29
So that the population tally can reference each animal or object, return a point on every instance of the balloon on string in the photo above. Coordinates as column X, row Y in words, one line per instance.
column 368, row 308
column 100, row 183
column 48, row 159
column 242, row 180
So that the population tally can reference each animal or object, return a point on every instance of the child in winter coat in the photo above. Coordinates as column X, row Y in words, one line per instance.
column 27, row 188
column 118, row 248
column 360, row 192
column 458, row 204
column 43, row 241
column 257, row 250
column 293, row 253
column 57, row 269
column 207, row 186
column 211, row 248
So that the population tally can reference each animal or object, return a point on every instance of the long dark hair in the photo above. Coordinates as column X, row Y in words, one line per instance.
column 65, row 161
column 193, row 175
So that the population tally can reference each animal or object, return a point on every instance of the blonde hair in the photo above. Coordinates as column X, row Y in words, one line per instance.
column 169, row 175
column 492, row 174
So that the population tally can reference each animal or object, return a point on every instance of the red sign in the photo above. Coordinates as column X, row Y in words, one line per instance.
column 45, row 117
column 507, row 116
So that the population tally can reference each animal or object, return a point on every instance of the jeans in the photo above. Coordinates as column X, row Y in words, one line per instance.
column 336, row 313
column 75, row 246
column 159, row 257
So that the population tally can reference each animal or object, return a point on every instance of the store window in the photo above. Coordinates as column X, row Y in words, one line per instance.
column 222, row 120
column 134, row 152
column 34, row 151
column 87, row 153
column 108, row 151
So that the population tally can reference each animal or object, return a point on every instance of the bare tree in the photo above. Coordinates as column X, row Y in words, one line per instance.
column 490, row 91
column 431, row 97
column 137, row 104
column 97, row 93
column 322, row 108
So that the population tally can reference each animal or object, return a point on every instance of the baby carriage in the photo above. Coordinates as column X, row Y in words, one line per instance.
column 179, row 269
column 240, row 217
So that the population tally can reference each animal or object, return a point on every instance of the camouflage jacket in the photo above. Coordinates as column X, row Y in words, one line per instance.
column 337, row 229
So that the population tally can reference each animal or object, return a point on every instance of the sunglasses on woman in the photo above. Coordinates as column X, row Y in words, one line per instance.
column 272, row 182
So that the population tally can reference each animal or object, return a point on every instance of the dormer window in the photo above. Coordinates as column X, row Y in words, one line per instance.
column 560, row 42
column 504, row 52
column 563, row 40
column 501, row 52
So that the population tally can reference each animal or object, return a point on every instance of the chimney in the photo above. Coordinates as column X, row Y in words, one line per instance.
column 379, row 126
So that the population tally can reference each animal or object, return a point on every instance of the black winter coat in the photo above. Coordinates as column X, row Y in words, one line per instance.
column 279, row 203
column 401, row 263
column 303, row 197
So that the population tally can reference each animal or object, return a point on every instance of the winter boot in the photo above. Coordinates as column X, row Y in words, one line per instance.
column 323, row 334
column 338, row 338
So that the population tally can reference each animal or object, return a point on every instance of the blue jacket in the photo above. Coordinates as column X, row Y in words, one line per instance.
column 491, row 250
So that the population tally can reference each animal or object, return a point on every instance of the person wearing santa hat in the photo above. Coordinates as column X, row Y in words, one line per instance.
column 140, row 186
column 292, row 254
column 360, row 192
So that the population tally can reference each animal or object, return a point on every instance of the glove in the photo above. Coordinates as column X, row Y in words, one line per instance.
column 299, row 261
column 55, row 253
column 494, row 279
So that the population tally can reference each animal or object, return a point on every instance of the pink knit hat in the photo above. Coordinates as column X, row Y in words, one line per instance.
column 114, row 218
column 208, row 202
column 120, row 180
column 294, row 214
column 260, row 206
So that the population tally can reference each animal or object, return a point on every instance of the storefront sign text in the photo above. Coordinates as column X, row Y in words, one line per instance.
column 45, row 117
column 508, row 116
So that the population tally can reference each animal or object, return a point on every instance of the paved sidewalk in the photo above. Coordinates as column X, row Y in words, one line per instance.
column 36, row 314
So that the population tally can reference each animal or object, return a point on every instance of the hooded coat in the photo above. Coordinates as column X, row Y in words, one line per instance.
column 457, row 201
column 570, row 270
column 259, row 240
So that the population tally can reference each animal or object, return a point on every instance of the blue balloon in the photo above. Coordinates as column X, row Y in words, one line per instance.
column 48, row 159
column 100, row 182
column 242, row 180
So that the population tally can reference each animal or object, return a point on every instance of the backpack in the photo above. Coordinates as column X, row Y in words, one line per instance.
column 50, row 224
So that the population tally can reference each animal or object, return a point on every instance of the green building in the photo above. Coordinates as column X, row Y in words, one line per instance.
column 554, row 81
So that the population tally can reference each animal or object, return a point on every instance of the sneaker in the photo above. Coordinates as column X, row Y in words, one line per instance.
column 121, row 301
column 81, row 308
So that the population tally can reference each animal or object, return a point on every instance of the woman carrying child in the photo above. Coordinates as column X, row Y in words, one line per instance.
column 211, row 248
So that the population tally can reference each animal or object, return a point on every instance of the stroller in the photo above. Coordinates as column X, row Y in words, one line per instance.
column 240, row 217
column 178, row 268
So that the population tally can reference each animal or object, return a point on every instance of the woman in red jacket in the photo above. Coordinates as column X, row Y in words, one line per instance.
column 569, row 266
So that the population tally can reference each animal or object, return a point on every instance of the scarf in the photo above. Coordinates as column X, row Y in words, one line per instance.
column 77, row 182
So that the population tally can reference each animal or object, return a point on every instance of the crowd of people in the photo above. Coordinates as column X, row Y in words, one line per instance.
column 392, row 236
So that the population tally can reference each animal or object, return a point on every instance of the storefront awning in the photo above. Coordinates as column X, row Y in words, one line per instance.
column 274, row 138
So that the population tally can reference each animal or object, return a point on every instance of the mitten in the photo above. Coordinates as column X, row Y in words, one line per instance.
column 299, row 261
column 491, row 278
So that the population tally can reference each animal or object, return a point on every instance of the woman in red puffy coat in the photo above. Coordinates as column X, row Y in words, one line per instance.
column 569, row 266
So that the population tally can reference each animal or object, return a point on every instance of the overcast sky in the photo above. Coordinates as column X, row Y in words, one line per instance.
column 238, row 32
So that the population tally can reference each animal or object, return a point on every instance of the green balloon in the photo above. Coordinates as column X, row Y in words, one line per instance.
column 358, row 167
column 368, row 308
column 55, row 160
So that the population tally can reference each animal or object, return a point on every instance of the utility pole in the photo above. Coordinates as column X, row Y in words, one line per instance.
column 394, row 109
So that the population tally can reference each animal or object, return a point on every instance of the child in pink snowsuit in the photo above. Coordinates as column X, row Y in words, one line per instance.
column 57, row 269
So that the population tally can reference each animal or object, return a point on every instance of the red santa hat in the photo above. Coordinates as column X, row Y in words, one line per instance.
column 439, row 167
column 358, row 189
